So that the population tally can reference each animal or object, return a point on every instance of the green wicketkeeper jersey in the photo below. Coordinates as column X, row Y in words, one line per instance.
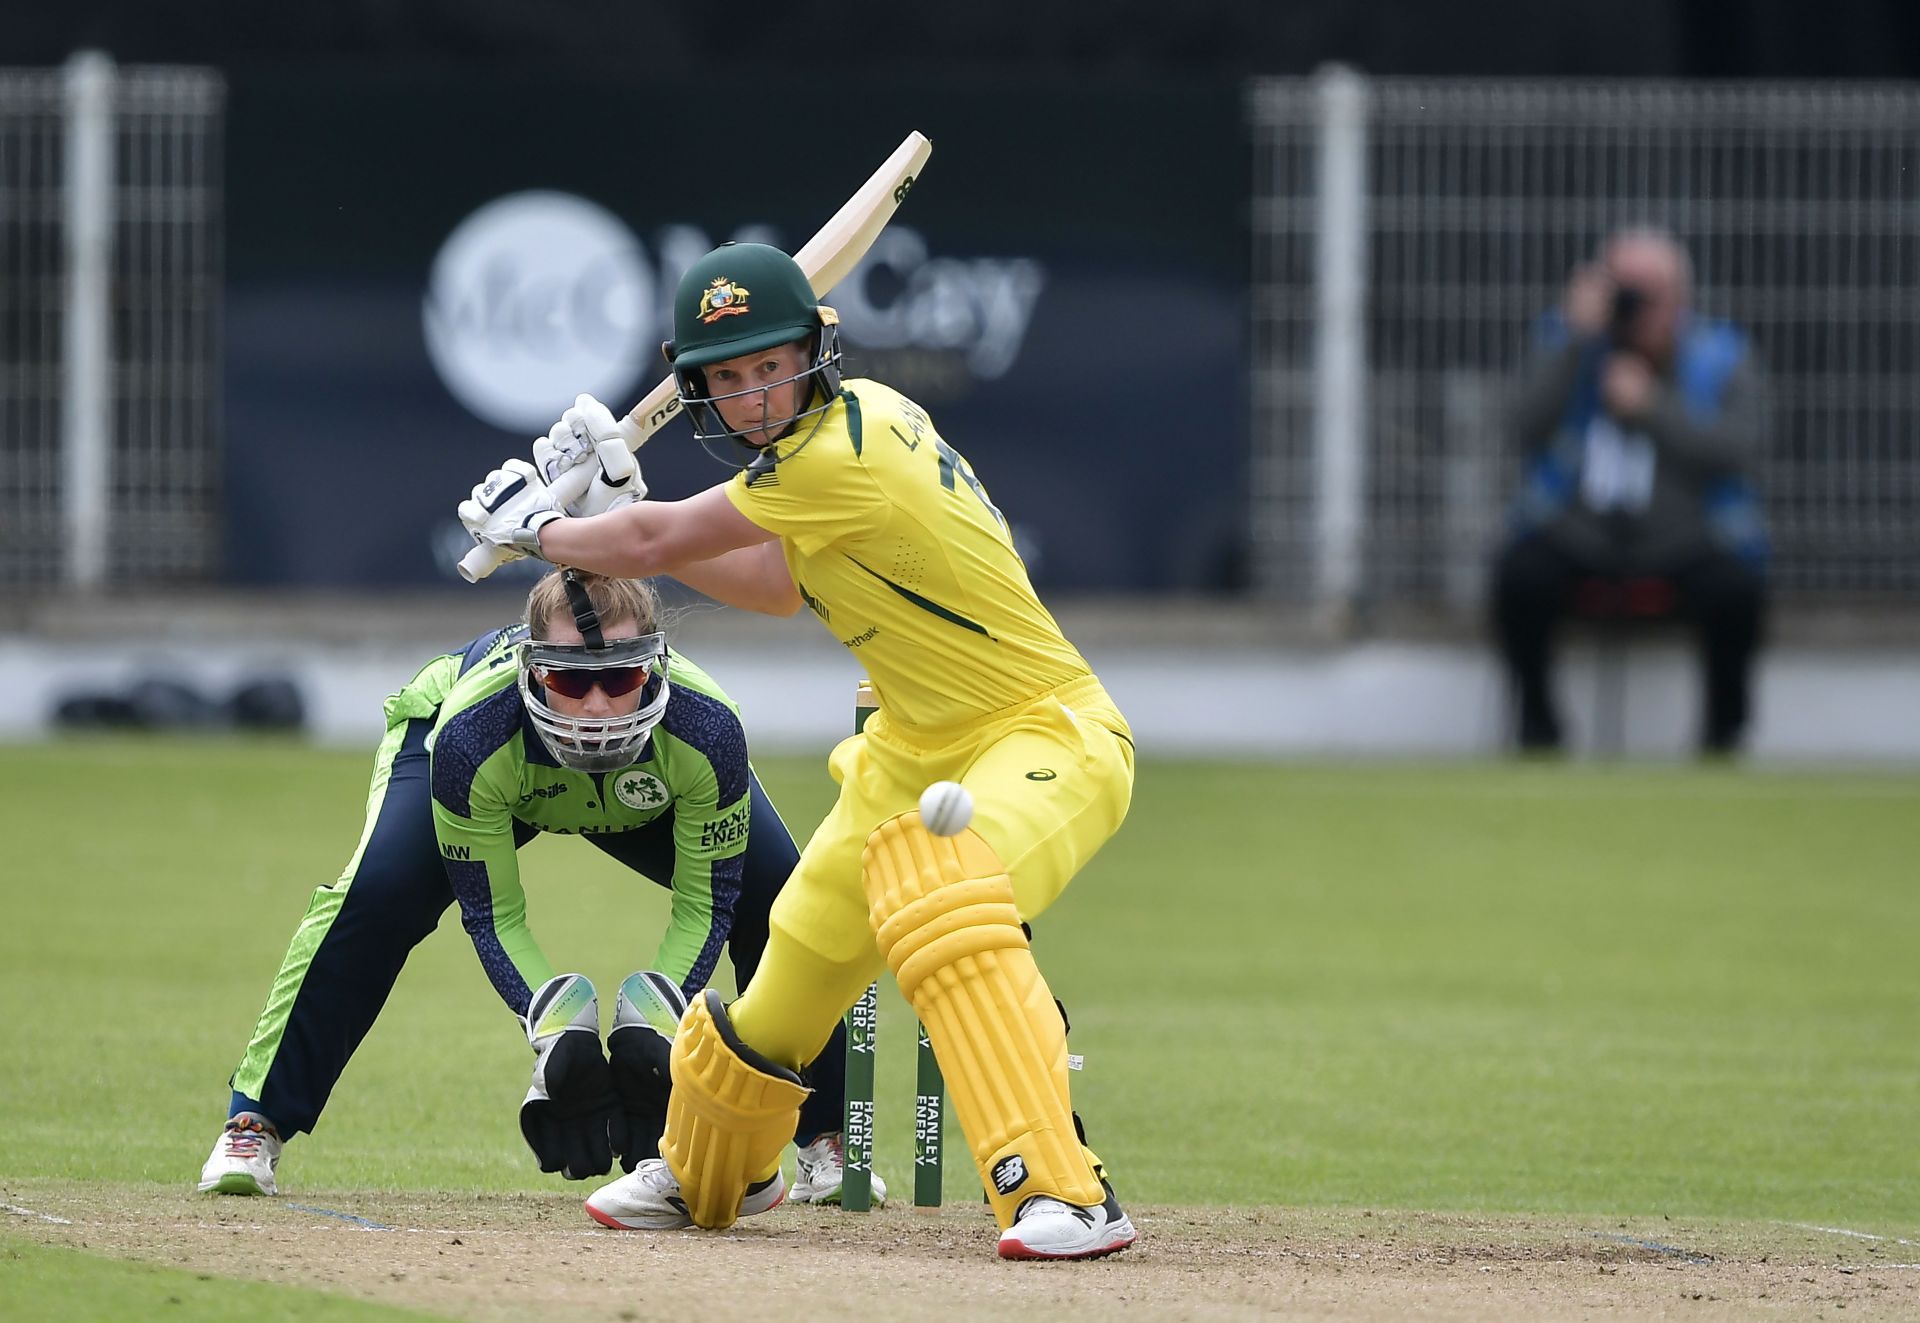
column 491, row 770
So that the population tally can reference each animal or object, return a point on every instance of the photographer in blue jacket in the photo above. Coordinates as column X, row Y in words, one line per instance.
column 1641, row 425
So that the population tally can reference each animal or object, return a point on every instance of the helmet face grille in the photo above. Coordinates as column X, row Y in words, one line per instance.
column 820, row 386
column 596, row 744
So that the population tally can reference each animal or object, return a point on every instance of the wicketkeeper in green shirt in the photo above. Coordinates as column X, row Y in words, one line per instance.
column 578, row 721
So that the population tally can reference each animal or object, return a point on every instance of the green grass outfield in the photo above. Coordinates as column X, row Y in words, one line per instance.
column 43, row 1282
column 1628, row 991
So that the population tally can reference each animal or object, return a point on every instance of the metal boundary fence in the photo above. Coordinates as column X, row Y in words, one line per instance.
column 1407, row 233
column 110, row 271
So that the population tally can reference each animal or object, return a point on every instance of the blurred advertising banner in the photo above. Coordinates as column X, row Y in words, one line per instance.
column 423, row 274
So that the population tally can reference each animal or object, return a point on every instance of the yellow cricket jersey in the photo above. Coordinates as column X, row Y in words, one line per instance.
column 895, row 545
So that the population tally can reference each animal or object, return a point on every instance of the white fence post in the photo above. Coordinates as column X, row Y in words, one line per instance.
column 1340, row 342
column 86, row 389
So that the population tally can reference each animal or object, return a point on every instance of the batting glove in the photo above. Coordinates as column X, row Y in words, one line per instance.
column 587, row 442
column 588, row 435
column 641, row 1046
column 510, row 508
column 570, row 1103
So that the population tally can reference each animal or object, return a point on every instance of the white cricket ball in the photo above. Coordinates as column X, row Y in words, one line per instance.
column 946, row 808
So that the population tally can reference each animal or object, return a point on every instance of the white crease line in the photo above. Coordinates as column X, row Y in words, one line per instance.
column 1857, row 1235
column 504, row 1231
column 18, row 1211
column 588, row 1234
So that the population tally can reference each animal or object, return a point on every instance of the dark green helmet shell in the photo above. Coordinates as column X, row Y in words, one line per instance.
column 739, row 298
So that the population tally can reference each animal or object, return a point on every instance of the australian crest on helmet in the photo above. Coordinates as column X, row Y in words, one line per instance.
column 722, row 298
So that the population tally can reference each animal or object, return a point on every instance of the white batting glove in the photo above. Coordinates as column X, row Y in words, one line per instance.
column 574, row 439
column 588, row 435
column 616, row 481
column 510, row 508
column 560, row 449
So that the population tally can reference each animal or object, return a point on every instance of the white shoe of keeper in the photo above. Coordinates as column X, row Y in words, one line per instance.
column 819, row 1170
column 244, row 1159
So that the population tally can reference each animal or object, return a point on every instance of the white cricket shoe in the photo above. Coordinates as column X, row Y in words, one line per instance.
column 821, row 1166
column 1049, row 1228
column 648, row 1199
column 244, row 1160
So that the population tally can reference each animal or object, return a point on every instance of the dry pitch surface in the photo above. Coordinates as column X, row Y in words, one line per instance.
column 536, row 1255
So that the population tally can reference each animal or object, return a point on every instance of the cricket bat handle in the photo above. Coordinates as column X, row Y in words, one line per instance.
column 647, row 417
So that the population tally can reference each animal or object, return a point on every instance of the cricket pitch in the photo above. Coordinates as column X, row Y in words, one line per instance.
column 494, row 1256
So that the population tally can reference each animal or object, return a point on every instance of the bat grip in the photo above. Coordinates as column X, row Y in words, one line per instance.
column 481, row 561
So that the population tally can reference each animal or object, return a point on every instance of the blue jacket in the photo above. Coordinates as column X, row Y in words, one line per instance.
column 1706, row 359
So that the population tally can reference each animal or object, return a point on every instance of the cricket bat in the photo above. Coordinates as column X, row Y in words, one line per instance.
column 826, row 258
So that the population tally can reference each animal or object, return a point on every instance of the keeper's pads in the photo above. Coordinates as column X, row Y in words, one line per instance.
column 640, row 1048
column 570, row 1104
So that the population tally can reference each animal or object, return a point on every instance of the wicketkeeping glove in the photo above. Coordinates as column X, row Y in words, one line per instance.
column 571, row 1101
column 641, row 1046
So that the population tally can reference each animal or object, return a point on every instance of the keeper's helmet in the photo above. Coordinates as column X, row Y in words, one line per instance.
column 739, row 298
column 618, row 666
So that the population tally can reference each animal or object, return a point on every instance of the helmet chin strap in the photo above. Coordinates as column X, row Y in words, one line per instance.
column 585, row 618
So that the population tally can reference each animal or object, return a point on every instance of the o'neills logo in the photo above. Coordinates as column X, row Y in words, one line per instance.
column 722, row 298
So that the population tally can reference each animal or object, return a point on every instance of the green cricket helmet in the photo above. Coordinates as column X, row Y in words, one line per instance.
column 739, row 298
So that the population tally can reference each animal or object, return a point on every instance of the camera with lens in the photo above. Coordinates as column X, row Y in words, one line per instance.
column 1626, row 306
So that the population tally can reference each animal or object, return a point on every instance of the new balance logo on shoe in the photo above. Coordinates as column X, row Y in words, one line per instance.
column 1050, row 1228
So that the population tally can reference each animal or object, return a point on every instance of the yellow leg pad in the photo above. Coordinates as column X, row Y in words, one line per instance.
column 943, row 912
column 729, row 1116
column 1093, row 1161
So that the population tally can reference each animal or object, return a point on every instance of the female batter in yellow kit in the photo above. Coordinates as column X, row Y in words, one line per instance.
column 850, row 503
